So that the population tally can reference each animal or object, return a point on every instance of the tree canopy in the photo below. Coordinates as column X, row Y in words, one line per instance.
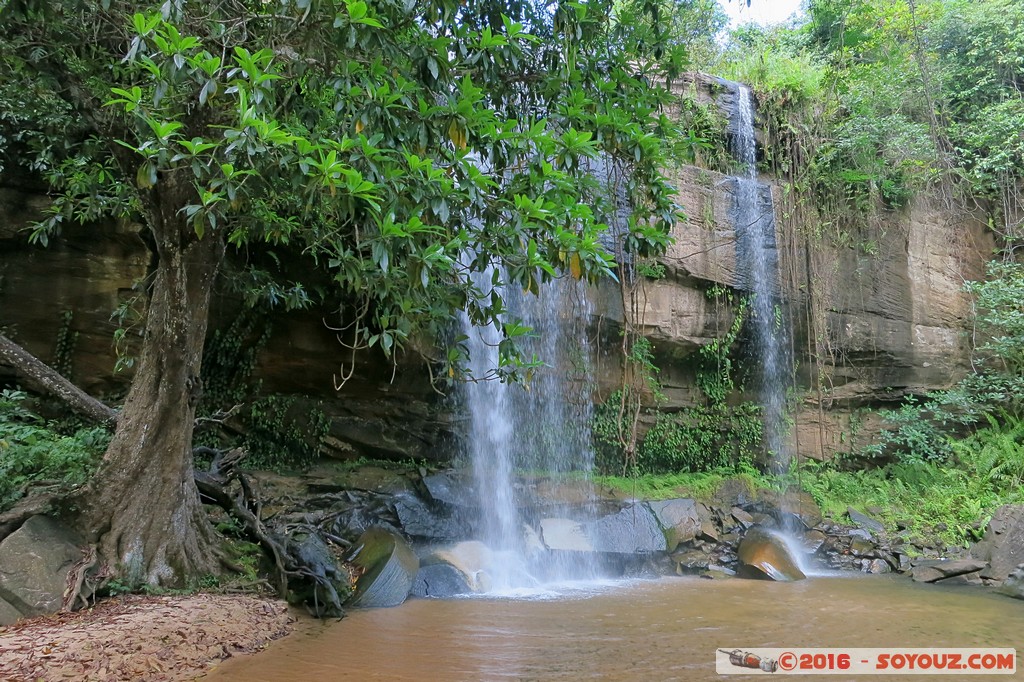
column 395, row 146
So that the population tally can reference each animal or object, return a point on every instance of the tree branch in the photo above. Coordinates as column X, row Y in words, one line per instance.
column 43, row 378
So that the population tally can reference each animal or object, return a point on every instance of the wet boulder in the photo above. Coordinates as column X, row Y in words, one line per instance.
column 633, row 530
column 34, row 564
column 765, row 554
column 1013, row 586
column 564, row 535
column 449, row 488
column 440, row 581
column 1003, row 545
column 389, row 567
column 471, row 559
column 433, row 522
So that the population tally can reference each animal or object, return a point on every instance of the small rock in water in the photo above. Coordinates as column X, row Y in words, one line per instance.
column 690, row 561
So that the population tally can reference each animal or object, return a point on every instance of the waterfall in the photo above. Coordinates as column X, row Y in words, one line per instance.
column 542, row 428
column 758, row 263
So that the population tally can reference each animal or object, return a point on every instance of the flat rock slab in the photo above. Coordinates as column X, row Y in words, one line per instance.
column 864, row 521
column 564, row 535
column 633, row 530
column 34, row 564
column 934, row 570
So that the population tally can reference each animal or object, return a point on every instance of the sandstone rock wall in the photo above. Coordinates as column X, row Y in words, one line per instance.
column 883, row 313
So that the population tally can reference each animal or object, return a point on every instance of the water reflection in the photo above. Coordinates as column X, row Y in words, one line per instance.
column 660, row 630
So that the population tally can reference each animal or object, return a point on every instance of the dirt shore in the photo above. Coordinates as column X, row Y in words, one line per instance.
column 156, row 638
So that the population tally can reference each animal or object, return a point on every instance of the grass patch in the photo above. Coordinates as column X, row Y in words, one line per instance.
column 701, row 485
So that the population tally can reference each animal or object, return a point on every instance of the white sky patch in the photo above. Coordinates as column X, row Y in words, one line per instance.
column 763, row 12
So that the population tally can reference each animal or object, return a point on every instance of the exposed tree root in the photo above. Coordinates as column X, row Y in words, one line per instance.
column 244, row 506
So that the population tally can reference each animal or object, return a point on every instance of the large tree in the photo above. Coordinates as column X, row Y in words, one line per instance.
column 398, row 145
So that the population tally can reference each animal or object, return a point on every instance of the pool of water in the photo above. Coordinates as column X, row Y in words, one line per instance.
column 666, row 629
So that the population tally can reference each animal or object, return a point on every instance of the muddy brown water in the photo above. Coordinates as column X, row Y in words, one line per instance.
column 666, row 629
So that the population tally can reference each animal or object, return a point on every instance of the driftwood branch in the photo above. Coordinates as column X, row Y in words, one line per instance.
column 41, row 377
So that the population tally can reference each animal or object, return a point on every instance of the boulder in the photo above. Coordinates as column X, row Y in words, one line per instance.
column 34, row 564
column 765, row 554
column 861, row 547
column 432, row 522
column 1003, row 545
column 690, row 561
column 439, row 581
column 1013, row 586
column 742, row 517
column 934, row 570
column 633, row 530
column 449, row 488
column 472, row 559
column 679, row 520
column 564, row 535
column 389, row 567
column 866, row 522
column 813, row 540
column 8, row 614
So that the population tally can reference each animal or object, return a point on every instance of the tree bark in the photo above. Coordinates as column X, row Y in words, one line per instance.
column 142, row 508
column 43, row 378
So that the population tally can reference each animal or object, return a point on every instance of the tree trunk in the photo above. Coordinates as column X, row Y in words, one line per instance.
column 43, row 378
column 142, row 507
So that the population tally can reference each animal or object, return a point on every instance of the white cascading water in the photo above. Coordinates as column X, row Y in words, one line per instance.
column 757, row 257
column 758, row 260
column 542, row 428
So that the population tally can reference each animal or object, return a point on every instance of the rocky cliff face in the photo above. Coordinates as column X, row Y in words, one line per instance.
column 72, row 287
column 881, row 318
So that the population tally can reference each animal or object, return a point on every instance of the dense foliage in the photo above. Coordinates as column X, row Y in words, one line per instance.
column 35, row 452
column 395, row 149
